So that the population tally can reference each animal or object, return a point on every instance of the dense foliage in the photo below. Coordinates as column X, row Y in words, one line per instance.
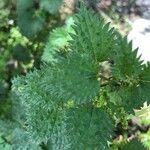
column 79, row 95
column 90, row 79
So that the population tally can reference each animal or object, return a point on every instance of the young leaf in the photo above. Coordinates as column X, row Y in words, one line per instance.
column 58, row 43
column 126, row 63
column 92, row 36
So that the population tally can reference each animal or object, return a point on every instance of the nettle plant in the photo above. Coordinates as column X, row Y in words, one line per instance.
column 74, row 100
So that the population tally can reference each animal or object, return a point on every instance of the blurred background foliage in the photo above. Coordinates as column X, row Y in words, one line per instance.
column 31, row 30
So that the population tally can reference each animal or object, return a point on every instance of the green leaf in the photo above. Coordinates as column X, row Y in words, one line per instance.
column 41, row 109
column 131, row 77
column 128, row 97
column 92, row 36
column 58, row 43
column 86, row 128
column 75, row 78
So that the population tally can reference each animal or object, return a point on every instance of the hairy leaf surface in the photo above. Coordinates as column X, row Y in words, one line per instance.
column 92, row 36
column 126, row 63
column 86, row 128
